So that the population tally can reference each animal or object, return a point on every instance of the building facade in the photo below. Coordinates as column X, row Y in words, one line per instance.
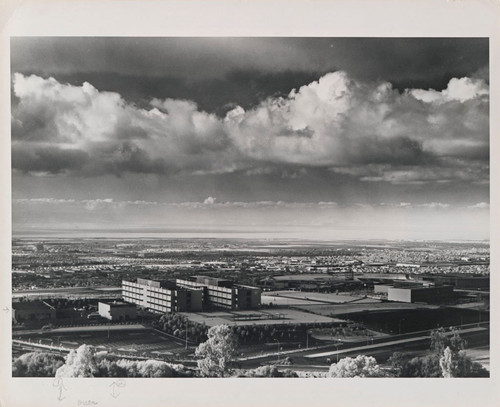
column 117, row 311
column 162, row 296
column 433, row 294
column 220, row 293
column 32, row 311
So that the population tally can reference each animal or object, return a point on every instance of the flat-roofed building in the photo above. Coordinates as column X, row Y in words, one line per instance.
column 117, row 310
column 162, row 296
column 381, row 288
column 247, row 297
column 32, row 311
column 460, row 281
column 433, row 294
column 222, row 293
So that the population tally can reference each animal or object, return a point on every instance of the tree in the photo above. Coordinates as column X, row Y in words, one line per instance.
column 217, row 352
column 440, row 341
column 110, row 368
column 154, row 368
column 447, row 359
column 458, row 364
column 36, row 364
column 79, row 363
column 268, row 371
column 449, row 363
column 361, row 366
column 398, row 363
column 424, row 366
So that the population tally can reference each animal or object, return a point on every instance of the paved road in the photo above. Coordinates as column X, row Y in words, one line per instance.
column 100, row 291
column 86, row 328
column 385, row 344
column 383, row 347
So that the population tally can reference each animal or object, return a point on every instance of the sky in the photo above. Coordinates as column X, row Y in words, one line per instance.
column 329, row 138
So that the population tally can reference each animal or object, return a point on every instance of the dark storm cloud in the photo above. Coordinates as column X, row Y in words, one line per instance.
column 122, row 157
column 216, row 71
column 398, row 151
column 48, row 159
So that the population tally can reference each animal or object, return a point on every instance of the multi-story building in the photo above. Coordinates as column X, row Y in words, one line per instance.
column 162, row 296
column 220, row 293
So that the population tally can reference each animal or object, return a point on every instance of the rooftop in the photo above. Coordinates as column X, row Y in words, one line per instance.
column 117, row 303
column 29, row 305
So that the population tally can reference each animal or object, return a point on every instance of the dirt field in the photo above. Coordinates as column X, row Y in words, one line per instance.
column 313, row 297
column 125, row 342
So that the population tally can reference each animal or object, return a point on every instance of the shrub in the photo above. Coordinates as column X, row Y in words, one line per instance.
column 37, row 364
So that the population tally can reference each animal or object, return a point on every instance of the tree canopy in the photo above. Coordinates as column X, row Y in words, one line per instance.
column 79, row 363
column 447, row 358
column 215, row 355
column 361, row 366
column 36, row 364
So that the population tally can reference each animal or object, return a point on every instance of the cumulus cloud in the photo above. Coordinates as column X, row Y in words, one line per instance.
column 58, row 127
column 337, row 120
column 459, row 89
column 209, row 201
column 367, row 130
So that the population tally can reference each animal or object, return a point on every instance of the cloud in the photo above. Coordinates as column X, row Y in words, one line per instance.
column 364, row 129
column 47, row 158
column 48, row 201
column 436, row 205
column 480, row 205
column 93, row 204
column 338, row 121
column 55, row 122
column 426, row 61
column 448, row 170
column 209, row 201
column 303, row 220
column 461, row 90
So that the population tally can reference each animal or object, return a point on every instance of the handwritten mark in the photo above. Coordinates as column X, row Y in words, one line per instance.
column 114, row 385
column 59, row 383
column 6, row 309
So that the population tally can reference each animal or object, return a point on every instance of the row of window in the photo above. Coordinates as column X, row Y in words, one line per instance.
column 219, row 289
column 186, row 283
column 131, row 284
column 160, row 296
column 133, row 290
column 214, row 293
column 159, row 290
column 159, row 302
column 159, row 308
column 134, row 296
